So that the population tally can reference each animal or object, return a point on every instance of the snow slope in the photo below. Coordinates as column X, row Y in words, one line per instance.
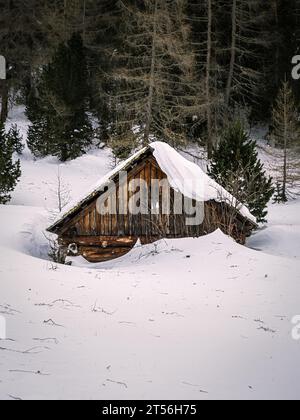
column 202, row 318
column 281, row 236
column 189, row 319
column 39, row 178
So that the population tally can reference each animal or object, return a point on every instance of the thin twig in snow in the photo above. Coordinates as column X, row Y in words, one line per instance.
column 38, row 372
column 267, row 330
column 9, row 310
column 117, row 382
column 29, row 351
column 15, row 398
column 46, row 339
column 102, row 310
column 52, row 323
column 63, row 301
column 196, row 386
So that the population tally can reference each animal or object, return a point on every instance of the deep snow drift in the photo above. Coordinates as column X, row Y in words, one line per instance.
column 282, row 234
column 191, row 318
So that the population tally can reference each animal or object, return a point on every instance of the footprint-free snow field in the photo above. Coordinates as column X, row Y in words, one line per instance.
column 190, row 318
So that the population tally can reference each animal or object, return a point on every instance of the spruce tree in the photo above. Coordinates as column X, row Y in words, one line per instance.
column 9, row 169
column 60, row 124
column 280, row 194
column 40, row 139
column 15, row 139
column 235, row 166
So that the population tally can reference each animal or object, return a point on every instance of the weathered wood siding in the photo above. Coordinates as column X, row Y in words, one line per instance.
column 104, row 237
column 90, row 223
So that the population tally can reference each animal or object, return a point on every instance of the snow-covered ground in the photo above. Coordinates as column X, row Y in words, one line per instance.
column 281, row 236
column 182, row 319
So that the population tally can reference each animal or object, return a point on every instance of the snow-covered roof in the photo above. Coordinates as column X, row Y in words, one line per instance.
column 189, row 179
column 184, row 176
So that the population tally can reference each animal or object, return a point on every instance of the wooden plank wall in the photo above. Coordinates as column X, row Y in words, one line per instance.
column 90, row 223
column 102, row 237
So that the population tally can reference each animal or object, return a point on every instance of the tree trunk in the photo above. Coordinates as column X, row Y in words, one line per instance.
column 4, row 101
column 84, row 20
column 277, row 52
column 232, row 54
column 208, row 71
column 65, row 20
column 285, row 144
column 152, row 78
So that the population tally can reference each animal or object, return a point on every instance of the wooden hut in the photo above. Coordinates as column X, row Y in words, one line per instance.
column 84, row 229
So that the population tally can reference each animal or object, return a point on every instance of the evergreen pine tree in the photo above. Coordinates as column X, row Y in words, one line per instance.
column 280, row 195
column 15, row 139
column 235, row 166
column 60, row 124
column 9, row 170
column 40, row 139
